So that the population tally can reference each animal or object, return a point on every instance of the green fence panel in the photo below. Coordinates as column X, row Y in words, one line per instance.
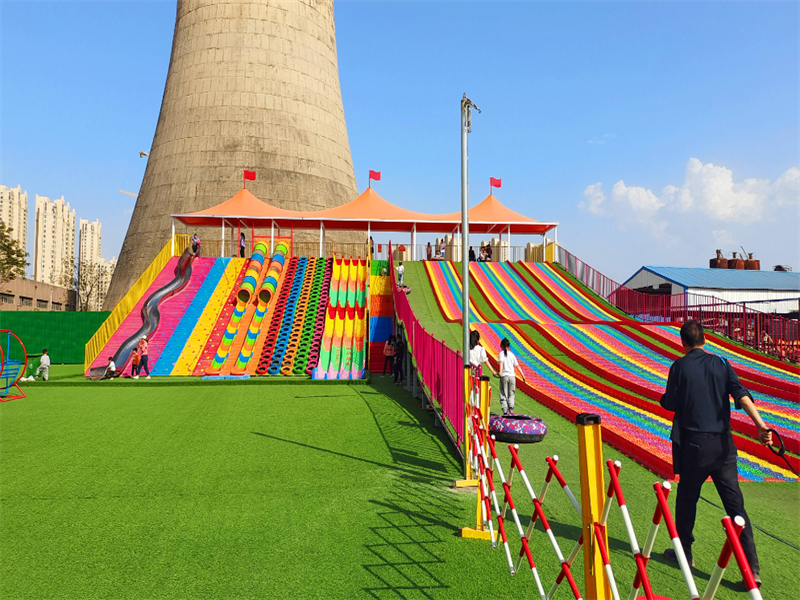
column 64, row 334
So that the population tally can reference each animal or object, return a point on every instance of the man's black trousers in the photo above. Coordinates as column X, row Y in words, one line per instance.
column 712, row 455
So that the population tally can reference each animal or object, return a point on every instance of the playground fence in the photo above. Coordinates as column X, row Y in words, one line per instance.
column 599, row 577
column 440, row 369
column 770, row 333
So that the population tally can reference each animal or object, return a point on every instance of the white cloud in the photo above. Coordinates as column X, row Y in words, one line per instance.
column 595, row 198
column 787, row 188
column 597, row 141
column 708, row 190
column 611, row 135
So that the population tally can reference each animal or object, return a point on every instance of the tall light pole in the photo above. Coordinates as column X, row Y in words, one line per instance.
column 466, row 127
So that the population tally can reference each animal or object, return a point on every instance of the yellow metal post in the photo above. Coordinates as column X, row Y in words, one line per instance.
column 484, row 401
column 590, row 452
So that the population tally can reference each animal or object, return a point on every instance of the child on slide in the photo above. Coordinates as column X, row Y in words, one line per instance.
column 509, row 365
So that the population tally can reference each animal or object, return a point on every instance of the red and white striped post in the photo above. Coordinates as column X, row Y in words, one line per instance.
column 741, row 559
column 562, row 482
column 724, row 557
column 676, row 543
column 650, row 539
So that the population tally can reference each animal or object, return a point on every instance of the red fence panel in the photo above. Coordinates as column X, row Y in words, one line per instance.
column 440, row 368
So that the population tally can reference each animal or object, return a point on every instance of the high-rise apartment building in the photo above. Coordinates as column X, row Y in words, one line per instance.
column 91, row 241
column 14, row 213
column 97, row 271
column 55, row 240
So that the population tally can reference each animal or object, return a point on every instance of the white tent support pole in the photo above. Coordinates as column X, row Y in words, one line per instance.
column 414, row 242
column 222, row 246
column 510, row 258
column 173, row 236
column 272, row 237
column 555, row 241
column 500, row 247
column 369, row 237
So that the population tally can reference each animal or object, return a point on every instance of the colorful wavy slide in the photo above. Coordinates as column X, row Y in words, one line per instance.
column 148, row 316
column 614, row 375
column 343, row 350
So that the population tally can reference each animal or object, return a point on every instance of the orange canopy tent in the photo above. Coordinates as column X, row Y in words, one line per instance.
column 369, row 212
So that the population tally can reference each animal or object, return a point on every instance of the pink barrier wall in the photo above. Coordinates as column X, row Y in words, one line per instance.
column 440, row 368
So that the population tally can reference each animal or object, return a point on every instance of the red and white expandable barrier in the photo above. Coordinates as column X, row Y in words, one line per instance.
column 724, row 557
column 741, row 559
column 676, row 543
column 650, row 539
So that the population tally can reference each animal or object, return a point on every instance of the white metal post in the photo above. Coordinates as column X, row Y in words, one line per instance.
column 414, row 242
column 173, row 237
column 321, row 240
column 222, row 248
column 369, row 238
column 466, row 126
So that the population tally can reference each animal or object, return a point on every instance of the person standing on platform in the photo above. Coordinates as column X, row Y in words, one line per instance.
column 488, row 253
column 471, row 254
column 195, row 245
column 143, row 351
column 371, row 247
column 698, row 388
column 509, row 365
column 429, row 252
column 242, row 244
column 441, row 249
column 388, row 355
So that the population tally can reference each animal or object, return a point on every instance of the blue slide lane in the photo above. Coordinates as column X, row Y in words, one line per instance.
column 169, row 356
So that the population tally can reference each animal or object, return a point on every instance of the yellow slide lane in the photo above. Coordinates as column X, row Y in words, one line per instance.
column 208, row 319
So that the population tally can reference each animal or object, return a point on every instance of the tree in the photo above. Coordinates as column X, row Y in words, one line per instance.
column 13, row 258
column 88, row 280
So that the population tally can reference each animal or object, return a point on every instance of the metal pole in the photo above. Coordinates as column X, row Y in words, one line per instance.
column 222, row 245
column 466, row 126
column 173, row 241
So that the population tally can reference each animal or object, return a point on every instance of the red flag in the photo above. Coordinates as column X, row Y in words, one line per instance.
column 249, row 175
column 376, row 175
column 495, row 182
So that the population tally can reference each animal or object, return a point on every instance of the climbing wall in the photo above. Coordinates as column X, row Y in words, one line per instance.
column 381, row 314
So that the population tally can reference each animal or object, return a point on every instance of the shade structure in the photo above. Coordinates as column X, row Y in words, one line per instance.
column 367, row 211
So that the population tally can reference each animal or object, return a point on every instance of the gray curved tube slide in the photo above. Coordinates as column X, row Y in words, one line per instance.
column 151, row 314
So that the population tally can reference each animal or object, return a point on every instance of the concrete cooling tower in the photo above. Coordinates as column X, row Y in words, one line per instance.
column 251, row 84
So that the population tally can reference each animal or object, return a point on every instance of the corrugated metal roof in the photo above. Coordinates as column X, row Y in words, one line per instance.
column 732, row 279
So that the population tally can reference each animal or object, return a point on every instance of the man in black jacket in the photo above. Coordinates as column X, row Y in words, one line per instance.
column 698, row 390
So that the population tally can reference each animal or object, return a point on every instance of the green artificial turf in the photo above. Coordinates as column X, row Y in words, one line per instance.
column 179, row 488
column 286, row 491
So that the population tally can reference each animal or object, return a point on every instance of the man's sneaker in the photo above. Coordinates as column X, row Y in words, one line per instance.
column 669, row 554
column 148, row 377
column 134, row 377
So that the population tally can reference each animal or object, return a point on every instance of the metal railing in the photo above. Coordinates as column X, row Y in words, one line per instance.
column 770, row 333
column 440, row 369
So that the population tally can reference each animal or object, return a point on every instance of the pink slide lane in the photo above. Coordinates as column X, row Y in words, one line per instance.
column 175, row 307
column 133, row 321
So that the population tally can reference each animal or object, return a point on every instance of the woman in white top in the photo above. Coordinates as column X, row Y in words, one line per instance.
column 508, row 380
column 477, row 353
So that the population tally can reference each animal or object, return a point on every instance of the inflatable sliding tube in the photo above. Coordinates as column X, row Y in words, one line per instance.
column 307, row 328
column 359, row 344
column 246, row 291
column 290, row 293
column 265, row 295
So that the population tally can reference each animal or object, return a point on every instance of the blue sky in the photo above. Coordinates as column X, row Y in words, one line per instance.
column 653, row 132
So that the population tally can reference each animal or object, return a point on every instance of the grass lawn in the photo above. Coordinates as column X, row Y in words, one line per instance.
column 178, row 488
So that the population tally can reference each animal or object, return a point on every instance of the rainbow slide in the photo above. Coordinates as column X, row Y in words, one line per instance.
column 624, row 378
column 343, row 351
